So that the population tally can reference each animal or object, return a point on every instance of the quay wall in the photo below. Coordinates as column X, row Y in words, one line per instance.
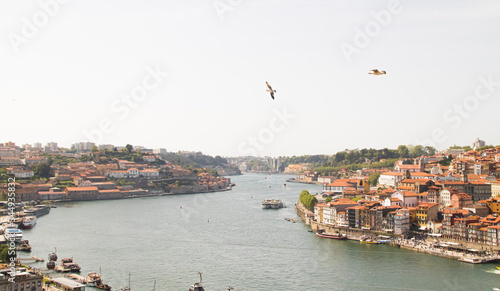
column 352, row 233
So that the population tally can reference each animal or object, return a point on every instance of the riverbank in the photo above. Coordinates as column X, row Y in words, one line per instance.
column 464, row 252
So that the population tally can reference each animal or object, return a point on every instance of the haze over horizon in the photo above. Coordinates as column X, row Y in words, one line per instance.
column 191, row 75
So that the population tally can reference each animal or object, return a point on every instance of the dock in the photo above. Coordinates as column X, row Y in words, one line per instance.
column 33, row 258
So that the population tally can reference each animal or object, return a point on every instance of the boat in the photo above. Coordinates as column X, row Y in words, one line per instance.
column 272, row 204
column 67, row 265
column 332, row 236
column 94, row 280
column 197, row 286
column 28, row 222
column 37, row 210
column 367, row 240
column 498, row 268
column 12, row 233
column 24, row 246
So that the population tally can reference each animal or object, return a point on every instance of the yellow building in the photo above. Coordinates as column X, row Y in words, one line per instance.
column 495, row 189
column 425, row 213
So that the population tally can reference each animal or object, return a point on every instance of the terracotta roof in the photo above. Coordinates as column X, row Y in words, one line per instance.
column 82, row 188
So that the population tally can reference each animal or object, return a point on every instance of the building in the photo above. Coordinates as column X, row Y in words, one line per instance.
column 23, row 280
column 65, row 284
column 426, row 212
column 460, row 200
column 478, row 144
column 402, row 222
column 149, row 159
column 495, row 189
column 106, row 147
column 82, row 193
column 390, row 178
column 408, row 198
column 160, row 151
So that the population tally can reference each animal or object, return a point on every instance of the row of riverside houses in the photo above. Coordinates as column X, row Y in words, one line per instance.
column 460, row 201
column 91, row 181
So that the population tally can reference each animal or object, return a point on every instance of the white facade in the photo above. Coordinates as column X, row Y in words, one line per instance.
column 445, row 197
column 149, row 173
column 23, row 173
column 390, row 179
column 407, row 199
column 133, row 173
column 117, row 174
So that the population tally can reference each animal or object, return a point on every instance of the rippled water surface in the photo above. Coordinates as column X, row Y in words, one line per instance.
column 234, row 242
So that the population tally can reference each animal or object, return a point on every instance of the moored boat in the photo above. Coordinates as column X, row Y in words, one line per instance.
column 67, row 265
column 28, row 222
column 197, row 286
column 12, row 233
column 37, row 210
column 332, row 236
column 95, row 280
column 272, row 204
column 24, row 246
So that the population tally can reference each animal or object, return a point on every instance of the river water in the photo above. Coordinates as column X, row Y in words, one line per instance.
column 233, row 242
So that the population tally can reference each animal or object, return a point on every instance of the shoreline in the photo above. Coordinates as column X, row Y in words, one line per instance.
column 51, row 202
column 422, row 246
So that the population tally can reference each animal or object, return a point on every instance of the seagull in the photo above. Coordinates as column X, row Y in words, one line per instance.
column 271, row 91
column 377, row 72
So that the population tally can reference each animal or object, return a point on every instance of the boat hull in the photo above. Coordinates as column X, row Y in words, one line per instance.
column 332, row 236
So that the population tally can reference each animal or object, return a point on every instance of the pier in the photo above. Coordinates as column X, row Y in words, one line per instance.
column 33, row 258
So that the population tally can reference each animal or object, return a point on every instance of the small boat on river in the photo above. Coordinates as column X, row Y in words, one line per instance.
column 197, row 286
column 332, row 236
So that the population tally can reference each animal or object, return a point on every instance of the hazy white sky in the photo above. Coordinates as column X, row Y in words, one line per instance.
column 67, row 67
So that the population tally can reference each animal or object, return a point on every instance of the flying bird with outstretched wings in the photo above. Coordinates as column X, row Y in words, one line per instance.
column 377, row 72
column 271, row 91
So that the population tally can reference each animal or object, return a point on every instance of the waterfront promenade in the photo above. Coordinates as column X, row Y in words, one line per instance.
column 463, row 251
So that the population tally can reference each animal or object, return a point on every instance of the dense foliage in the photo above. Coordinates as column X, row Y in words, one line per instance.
column 308, row 200
column 358, row 159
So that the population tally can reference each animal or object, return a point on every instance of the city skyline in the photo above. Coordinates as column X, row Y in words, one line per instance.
column 191, row 76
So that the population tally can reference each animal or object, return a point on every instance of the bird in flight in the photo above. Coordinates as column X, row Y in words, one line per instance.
column 271, row 91
column 377, row 72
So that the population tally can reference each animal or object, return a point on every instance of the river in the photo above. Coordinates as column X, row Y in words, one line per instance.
column 233, row 242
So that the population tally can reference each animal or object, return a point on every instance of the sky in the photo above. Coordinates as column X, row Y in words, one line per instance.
column 190, row 75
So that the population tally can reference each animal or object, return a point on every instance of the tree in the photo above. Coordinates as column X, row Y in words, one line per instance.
column 129, row 148
column 4, row 253
column 373, row 178
column 42, row 170
column 430, row 151
column 328, row 199
column 95, row 149
column 403, row 151
column 418, row 151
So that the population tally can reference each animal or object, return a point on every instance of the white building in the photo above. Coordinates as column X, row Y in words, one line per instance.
column 408, row 198
column 108, row 147
column 149, row 159
column 390, row 178
column 160, row 151
column 22, row 173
